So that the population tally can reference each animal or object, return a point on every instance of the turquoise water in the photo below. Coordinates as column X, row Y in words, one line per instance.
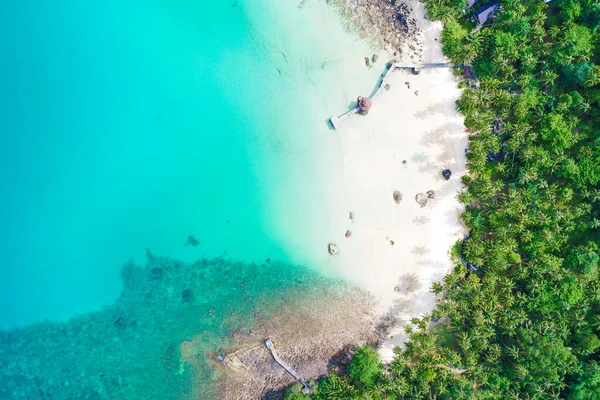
column 126, row 125
column 132, row 349
column 132, row 125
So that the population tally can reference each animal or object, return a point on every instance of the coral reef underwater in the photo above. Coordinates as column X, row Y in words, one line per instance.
column 130, row 348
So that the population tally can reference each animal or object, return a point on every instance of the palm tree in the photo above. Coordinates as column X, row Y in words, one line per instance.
column 481, row 99
column 554, row 31
column 528, row 60
column 538, row 34
column 548, row 77
column 582, row 58
column 476, row 39
column 437, row 288
column 466, row 103
column 467, row 53
column 585, row 106
column 528, row 175
column 465, row 197
column 594, row 77
column 567, row 59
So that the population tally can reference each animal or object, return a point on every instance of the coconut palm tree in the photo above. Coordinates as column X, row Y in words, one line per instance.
column 594, row 78
column 548, row 77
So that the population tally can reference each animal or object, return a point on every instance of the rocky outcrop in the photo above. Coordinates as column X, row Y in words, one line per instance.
column 391, row 23
column 314, row 333
column 332, row 248
column 397, row 196
column 421, row 198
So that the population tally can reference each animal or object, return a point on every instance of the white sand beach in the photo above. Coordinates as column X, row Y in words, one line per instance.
column 324, row 174
column 407, row 139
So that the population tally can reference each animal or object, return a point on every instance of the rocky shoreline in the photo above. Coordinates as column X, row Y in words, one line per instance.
column 315, row 335
column 391, row 24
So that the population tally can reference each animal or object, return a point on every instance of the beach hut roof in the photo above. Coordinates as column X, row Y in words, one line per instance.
column 484, row 13
column 365, row 104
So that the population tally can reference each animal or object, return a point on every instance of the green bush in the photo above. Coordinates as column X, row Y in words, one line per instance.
column 365, row 367
column 576, row 74
column 295, row 393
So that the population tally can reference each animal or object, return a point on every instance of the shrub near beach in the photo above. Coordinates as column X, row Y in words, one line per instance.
column 527, row 324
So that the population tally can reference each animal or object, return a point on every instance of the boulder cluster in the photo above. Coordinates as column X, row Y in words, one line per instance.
column 390, row 23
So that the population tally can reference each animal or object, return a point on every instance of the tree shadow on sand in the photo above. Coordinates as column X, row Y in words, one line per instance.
column 419, row 157
column 421, row 220
column 431, row 109
column 420, row 251
column 407, row 284
column 435, row 165
column 440, row 135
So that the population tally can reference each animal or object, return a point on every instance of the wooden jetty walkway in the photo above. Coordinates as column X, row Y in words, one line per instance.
column 336, row 121
column 289, row 369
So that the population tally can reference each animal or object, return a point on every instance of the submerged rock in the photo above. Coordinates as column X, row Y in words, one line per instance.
column 367, row 62
column 187, row 296
column 375, row 58
column 348, row 234
column 430, row 194
column 192, row 241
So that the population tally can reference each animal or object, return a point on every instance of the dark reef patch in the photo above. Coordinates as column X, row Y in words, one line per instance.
column 131, row 348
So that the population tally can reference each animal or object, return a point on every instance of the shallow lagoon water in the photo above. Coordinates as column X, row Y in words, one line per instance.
column 122, row 135
column 131, row 125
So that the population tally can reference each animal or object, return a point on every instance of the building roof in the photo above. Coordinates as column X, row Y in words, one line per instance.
column 470, row 3
column 365, row 104
column 484, row 13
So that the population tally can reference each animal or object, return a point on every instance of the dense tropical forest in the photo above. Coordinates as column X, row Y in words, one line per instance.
column 519, row 317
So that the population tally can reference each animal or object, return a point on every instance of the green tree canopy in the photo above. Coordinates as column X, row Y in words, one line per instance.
column 577, row 74
column 365, row 367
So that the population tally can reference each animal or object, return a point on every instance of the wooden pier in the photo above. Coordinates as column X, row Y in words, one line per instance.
column 336, row 121
column 289, row 369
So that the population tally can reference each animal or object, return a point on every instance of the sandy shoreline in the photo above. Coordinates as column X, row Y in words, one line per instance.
column 395, row 251
column 408, row 138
